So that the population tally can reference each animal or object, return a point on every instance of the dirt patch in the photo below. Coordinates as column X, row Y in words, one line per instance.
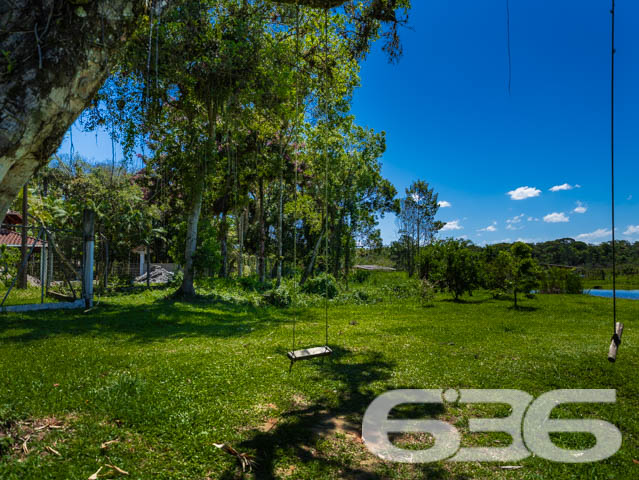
column 330, row 425
column 300, row 401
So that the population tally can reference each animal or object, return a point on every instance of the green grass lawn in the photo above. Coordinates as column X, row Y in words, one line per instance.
column 19, row 296
column 168, row 380
column 624, row 282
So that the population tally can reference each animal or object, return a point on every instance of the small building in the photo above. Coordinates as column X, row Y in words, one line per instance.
column 11, row 234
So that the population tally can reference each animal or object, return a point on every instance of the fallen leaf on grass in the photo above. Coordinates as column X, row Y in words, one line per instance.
column 25, row 448
column 511, row 467
column 95, row 475
column 117, row 469
column 634, row 460
column 246, row 461
column 52, row 450
column 105, row 445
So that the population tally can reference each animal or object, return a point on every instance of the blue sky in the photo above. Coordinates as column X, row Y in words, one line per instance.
column 450, row 121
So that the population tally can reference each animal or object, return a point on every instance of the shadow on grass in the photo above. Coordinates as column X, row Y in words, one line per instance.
column 523, row 308
column 163, row 319
column 294, row 437
column 465, row 301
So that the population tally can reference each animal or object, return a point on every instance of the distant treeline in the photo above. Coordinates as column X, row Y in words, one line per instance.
column 570, row 252
column 560, row 252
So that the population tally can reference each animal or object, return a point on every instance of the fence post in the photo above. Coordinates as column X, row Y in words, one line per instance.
column 44, row 263
column 88, row 222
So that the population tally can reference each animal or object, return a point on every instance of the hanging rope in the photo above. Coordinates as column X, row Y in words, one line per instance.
column 612, row 169
column 612, row 176
column 296, row 154
column 325, row 81
column 617, row 328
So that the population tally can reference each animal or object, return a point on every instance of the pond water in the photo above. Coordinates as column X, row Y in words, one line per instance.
column 631, row 294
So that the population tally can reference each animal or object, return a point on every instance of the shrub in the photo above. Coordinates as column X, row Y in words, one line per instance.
column 178, row 278
column 360, row 276
column 556, row 280
column 252, row 283
column 427, row 293
column 278, row 297
column 321, row 285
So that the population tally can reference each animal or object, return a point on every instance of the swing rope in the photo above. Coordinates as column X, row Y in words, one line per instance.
column 296, row 154
column 612, row 170
column 617, row 328
column 326, row 178
column 323, row 351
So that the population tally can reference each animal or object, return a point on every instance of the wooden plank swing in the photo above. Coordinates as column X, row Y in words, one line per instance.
column 322, row 351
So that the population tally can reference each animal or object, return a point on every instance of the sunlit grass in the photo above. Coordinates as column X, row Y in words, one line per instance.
column 170, row 379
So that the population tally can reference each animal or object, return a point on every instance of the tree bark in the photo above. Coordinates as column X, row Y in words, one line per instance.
column 262, row 248
column 188, row 289
column 57, row 56
column 224, row 272
column 239, row 227
column 280, row 230
column 311, row 265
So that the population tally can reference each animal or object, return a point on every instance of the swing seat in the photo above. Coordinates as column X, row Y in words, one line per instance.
column 308, row 353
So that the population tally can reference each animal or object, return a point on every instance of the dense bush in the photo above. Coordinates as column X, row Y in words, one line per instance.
column 451, row 264
column 321, row 285
column 557, row 280
column 360, row 276
column 9, row 260
column 427, row 293
column 277, row 297
column 252, row 283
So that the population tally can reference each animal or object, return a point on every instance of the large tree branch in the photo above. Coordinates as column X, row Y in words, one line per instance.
column 54, row 57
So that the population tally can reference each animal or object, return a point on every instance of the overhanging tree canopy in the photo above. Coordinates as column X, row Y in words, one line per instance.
column 56, row 54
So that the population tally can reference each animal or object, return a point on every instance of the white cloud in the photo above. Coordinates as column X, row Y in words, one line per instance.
column 489, row 228
column 454, row 225
column 632, row 230
column 522, row 193
column 580, row 208
column 556, row 218
column 512, row 222
column 533, row 219
column 595, row 237
column 444, row 204
column 565, row 186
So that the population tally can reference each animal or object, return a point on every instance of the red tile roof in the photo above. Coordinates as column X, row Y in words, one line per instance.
column 13, row 218
column 14, row 239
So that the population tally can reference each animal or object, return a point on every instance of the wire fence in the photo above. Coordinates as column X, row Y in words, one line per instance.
column 39, row 265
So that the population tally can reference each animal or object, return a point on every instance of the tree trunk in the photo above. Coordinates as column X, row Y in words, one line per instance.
column 338, row 245
column 347, row 255
column 224, row 272
column 188, row 289
column 280, row 232
column 50, row 75
column 262, row 251
column 148, row 266
column 22, row 280
column 311, row 265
